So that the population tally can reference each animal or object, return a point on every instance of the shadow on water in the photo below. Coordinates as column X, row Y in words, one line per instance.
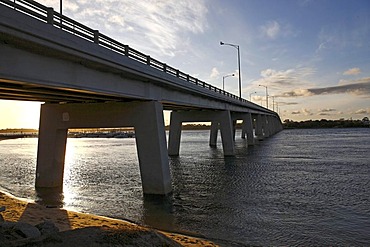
column 50, row 197
column 158, row 211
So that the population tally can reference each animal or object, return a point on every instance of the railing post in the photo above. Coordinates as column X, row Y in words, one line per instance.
column 96, row 36
column 165, row 67
column 50, row 16
column 177, row 73
column 196, row 81
column 126, row 50
column 148, row 60
column 187, row 77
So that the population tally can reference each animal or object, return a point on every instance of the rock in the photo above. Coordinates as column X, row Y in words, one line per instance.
column 47, row 227
column 23, row 229
column 1, row 219
column 2, row 209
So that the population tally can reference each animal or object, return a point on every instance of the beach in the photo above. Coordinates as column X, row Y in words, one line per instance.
column 80, row 229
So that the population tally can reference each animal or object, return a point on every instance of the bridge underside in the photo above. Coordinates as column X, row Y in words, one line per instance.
column 86, row 85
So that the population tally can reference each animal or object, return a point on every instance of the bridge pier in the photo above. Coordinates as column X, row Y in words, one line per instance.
column 259, row 126
column 247, row 128
column 247, row 125
column 213, row 134
column 56, row 119
column 221, row 119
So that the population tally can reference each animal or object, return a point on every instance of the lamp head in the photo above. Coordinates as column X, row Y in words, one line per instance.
column 233, row 75
column 222, row 43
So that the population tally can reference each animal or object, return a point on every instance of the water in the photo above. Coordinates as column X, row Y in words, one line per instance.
column 299, row 187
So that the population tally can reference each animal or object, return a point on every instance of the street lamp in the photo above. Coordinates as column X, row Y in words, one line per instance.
column 240, row 77
column 267, row 99
column 61, row 12
column 273, row 103
column 223, row 80
column 250, row 96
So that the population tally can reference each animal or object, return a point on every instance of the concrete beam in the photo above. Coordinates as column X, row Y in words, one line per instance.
column 56, row 119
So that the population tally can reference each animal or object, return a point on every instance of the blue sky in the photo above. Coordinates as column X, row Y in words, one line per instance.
column 314, row 56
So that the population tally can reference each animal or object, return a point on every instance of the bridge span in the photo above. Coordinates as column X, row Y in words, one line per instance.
column 89, row 80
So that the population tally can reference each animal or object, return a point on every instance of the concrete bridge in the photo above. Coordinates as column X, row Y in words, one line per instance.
column 88, row 80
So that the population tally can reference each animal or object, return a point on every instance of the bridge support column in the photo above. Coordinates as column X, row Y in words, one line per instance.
column 227, row 133
column 213, row 134
column 51, row 149
column 259, row 125
column 221, row 118
column 174, row 134
column 152, row 149
column 145, row 117
column 265, row 126
column 247, row 128
column 234, row 129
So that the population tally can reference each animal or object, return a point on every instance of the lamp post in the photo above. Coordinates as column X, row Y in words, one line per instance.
column 240, row 77
column 250, row 96
column 61, row 12
column 223, row 80
column 267, row 99
column 273, row 103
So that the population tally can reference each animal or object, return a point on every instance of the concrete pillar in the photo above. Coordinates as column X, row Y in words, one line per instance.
column 213, row 134
column 265, row 128
column 226, row 133
column 234, row 128
column 145, row 117
column 51, row 149
column 152, row 149
column 223, row 118
column 259, row 125
column 174, row 134
column 243, row 132
column 247, row 128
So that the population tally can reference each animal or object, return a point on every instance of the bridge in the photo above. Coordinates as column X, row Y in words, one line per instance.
column 89, row 80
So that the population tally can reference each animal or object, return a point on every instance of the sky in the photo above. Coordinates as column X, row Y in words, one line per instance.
column 312, row 55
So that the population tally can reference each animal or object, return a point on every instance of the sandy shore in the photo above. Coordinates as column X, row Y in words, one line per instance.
column 80, row 229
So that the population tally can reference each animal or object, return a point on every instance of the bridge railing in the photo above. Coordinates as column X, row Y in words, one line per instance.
column 48, row 15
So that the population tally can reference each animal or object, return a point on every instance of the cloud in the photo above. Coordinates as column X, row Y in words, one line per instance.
column 284, row 78
column 359, row 87
column 155, row 27
column 304, row 111
column 353, row 71
column 297, row 93
column 327, row 110
column 307, row 112
column 214, row 73
column 361, row 111
column 271, row 29
column 324, row 114
column 280, row 103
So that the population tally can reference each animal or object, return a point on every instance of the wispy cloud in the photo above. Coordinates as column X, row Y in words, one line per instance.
column 327, row 110
column 158, row 27
column 214, row 73
column 362, row 111
column 359, row 87
column 353, row 71
column 271, row 29
column 284, row 78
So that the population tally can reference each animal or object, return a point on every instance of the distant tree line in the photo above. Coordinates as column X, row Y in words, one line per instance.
column 324, row 123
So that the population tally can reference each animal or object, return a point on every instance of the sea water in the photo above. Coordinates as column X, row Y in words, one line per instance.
column 298, row 187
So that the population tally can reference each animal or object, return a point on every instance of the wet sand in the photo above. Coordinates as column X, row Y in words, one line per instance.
column 91, row 230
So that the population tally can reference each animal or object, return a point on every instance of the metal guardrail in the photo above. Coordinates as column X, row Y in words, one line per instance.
column 48, row 15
